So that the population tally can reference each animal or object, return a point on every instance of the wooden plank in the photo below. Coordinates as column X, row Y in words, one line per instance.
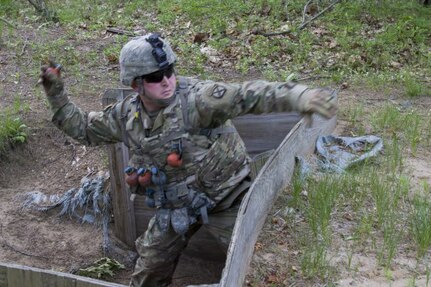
column 14, row 277
column 83, row 284
column 123, row 208
column 32, row 278
column 52, row 280
column 274, row 177
column 70, row 282
column 265, row 132
column 24, row 276
column 3, row 276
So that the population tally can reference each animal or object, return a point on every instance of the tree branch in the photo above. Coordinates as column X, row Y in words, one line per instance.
column 41, row 8
column 303, row 25
column 120, row 32
column 305, row 10
column 37, row 7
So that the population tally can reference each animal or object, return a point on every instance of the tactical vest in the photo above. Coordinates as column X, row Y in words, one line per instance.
column 214, row 160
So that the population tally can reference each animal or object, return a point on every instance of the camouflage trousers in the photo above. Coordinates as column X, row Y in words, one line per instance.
column 159, row 252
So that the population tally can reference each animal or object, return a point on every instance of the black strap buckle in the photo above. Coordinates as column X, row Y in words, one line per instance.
column 158, row 52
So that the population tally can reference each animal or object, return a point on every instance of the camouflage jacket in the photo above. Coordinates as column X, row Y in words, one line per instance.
column 214, row 156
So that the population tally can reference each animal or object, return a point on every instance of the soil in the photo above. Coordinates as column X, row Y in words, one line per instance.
column 52, row 163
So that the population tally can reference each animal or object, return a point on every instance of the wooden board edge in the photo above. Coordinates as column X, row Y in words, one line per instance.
column 18, row 269
column 264, row 190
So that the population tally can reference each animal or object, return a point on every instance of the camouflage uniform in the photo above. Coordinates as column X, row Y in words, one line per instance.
column 215, row 173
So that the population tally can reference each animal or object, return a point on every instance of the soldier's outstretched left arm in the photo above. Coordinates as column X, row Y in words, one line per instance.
column 216, row 102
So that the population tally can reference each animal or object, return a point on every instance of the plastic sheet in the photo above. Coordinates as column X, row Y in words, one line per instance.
column 339, row 153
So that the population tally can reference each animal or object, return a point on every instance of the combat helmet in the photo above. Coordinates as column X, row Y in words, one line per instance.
column 144, row 55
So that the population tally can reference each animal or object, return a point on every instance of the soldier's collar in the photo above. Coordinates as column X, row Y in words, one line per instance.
column 169, row 108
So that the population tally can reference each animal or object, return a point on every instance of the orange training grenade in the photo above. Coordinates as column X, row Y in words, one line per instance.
column 131, row 176
column 174, row 159
column 144, row 177
column 54, row 69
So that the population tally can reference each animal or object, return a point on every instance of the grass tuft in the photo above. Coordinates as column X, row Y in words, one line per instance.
column 12, row 132
column 420, row 223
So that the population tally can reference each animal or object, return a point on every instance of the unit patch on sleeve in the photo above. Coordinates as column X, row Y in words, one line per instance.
column 218, row 92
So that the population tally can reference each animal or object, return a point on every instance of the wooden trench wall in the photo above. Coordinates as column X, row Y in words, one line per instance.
column 288, row 134
column 12, row 275
column 260, row 133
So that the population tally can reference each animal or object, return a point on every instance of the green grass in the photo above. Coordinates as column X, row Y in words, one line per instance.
column 404, row 124
column 361, row 33
column 10, row 8
column 376, row 43
column 420, row 223
column 376, row 196
column 12, row 131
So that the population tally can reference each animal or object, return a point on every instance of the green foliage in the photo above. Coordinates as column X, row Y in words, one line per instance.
column 314, row 262
column 12, row 131
column 353, row 40
column 375, row 198
column 102, row 268
column 420, row 223
column 415, row 88
column 10, row 7
column 354, row 113
column 322, row 196
column 374, row 41
column 403, row 124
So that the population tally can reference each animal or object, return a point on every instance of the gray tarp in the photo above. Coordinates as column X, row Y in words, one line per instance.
column 339, row 153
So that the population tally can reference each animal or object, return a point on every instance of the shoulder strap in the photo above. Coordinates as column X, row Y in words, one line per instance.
column 183, row 88
column 121, row 110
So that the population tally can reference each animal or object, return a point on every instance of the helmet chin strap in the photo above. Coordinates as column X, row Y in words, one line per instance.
column 160, row 102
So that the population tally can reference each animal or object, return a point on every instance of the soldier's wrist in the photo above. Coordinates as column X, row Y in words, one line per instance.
column 58, row 101
column 299, row 97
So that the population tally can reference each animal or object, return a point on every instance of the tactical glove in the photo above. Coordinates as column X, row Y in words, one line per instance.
column 50, row 78
column 321, row 101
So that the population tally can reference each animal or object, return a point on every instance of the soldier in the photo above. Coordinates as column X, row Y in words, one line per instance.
column 192, row 164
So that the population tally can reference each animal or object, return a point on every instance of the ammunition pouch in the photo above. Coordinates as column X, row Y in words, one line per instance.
column 180, row 206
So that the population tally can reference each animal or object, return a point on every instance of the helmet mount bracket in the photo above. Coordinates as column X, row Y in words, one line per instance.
column 158, row 52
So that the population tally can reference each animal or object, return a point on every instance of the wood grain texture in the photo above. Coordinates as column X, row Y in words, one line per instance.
column 265, row 132
column 24, row 276
column 274, row 177
column 122, row 206
column 3, row 276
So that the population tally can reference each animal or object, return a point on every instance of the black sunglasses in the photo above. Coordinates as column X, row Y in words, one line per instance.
column 158, row 76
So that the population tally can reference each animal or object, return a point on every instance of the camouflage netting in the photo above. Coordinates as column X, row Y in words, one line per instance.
column 90, row 203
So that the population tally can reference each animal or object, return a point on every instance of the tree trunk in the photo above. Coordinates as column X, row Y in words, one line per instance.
column 42, row 9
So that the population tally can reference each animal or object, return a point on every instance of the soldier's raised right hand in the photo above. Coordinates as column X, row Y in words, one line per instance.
column 50, row 78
